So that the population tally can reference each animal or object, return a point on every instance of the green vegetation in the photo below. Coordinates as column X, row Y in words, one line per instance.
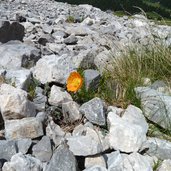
column 70, row 19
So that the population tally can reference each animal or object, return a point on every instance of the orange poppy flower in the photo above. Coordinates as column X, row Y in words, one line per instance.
column 74, row 82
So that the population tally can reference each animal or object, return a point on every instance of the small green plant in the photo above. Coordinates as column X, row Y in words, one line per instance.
column 156, row 165
column 70, row 19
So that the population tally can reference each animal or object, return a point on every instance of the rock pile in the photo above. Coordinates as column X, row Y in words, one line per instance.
column 41, row 42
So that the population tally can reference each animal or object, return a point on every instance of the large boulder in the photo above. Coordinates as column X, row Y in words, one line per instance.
column 11, row 31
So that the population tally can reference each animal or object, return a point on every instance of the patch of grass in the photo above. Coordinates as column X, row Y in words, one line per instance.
column 157, row 165
column 70, row 19
column 129, row 71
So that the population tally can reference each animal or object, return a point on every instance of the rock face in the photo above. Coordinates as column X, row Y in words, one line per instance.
column 11, row 31
column 9, row 96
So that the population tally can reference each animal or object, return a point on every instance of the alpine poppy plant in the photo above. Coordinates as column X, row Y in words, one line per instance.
column 74, row 82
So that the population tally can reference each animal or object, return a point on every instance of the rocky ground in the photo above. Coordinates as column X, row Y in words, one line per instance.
column 41, row 127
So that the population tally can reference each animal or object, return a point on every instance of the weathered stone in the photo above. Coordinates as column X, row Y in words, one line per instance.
column 64, row 159
column 86, row 144
column 19, row 162
column 95, row 160
column 133, row 135
column 23, row 128
column 13, row 31
column 114, row 161
column 53, row 68
column 156, row 106
column 43, row 150
column 15, row 55
column 71, row 40
column 55, row 132
column 7, row 149
column 92, row 78
column 14, row 103
column 135, row 116
column 58, row 96
column 71, row 111
column 137, row 162
column 165, row 166
column 94, row 111
column 157, row 147
column 20, row 78
column 23, row 145
column 39, row 99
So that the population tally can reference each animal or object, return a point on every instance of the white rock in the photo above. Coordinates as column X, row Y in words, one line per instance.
column 23, row 128
column 165, row 166
column 58, row 96
column 20, row 162
column 132, row 135
column 14, row 103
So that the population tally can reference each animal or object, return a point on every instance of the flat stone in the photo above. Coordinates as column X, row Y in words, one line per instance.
column 11, row 31
column 14, row 103
column 16, row 55
column 58, row 96
column 43, row 150
column 96, row 168
column 71, row 40
column 20, row 161
column 24, row 145
column 94, row 111
column 64, row 159
column 23, row 128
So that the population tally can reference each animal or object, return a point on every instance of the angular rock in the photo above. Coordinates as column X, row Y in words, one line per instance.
column 86, row 144
column 53, row 68
column 156, row 106
column 54, row 132
column 58, row 96
column 95, row 160
column 43, row 150
column 92, row 78
column 165, row 166
column 20, row 78
column 71, row 111
column 19, row 162
column 157, row 147
column 13, row 31
column 7, row 149
column 94, row 111
column 39, row 99
column 23, row 128
column 134, row 115
column 23, row 145
column 15, row 55
column 133, row 135
column 64, row 159
column 71, row 40
column 14, row 103
column 114, row 161
column 137, row 162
